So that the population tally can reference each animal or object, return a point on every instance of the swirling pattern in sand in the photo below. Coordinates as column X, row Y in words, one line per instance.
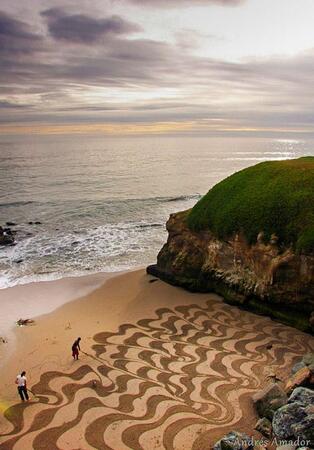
column 164, row 383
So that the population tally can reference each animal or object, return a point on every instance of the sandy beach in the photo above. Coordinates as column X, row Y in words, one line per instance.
column 160, row 367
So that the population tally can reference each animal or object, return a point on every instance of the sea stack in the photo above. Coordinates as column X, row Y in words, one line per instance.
column 251, row 240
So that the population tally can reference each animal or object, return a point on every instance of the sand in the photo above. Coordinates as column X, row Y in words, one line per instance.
column 160, row 368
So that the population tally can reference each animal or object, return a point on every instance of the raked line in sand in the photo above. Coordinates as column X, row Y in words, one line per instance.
column 177, row 380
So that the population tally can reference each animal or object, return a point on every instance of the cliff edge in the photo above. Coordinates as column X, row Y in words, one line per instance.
column 251, row 240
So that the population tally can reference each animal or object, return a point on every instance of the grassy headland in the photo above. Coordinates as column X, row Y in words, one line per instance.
column 273, row 197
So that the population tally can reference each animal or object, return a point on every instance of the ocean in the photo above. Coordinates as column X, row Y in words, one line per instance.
column 101, row 203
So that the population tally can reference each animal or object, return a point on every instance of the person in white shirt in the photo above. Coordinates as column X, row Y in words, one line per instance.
column 21, row 386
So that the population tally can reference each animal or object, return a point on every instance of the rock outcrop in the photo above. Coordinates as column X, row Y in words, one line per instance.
column 264, row 276
column 250, row 239
column 6, row 236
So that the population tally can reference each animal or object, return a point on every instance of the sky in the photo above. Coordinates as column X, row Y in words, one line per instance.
column 157, row 66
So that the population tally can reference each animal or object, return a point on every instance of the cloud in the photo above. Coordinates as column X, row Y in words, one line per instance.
column 17, row 37
column 9, row 105
column 189, row 39
column 185, row 3
column 84, row 29
column 125, row 79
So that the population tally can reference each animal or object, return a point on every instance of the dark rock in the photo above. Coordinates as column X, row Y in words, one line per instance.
column 304, row 429
column 37, row 222
column 30, row 222
column 10, row 224
column 269, row 347
column 287, row 416
column 303, row 396
column 75, row 243
column 269, row 400
column 234, row 441
column 264, row 426
column 8, row 231
column 18, row 261
column 5, row 238
column 296, row 419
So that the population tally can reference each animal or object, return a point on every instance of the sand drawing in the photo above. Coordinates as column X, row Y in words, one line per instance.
column 168, row 382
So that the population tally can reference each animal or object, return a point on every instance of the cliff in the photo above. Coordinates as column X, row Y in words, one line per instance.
column 250, row 239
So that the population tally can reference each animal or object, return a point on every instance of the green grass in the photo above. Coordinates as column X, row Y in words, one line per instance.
column 273, row 197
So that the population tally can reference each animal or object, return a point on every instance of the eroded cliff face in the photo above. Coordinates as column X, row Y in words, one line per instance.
column 262, row 277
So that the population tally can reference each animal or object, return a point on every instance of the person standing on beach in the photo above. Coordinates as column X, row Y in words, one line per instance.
column 21, row 386
column 76, row 348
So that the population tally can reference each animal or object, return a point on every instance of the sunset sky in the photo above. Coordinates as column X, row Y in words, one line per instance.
column 157, row 66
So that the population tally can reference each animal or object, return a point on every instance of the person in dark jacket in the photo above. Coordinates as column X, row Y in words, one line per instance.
column 76, row 348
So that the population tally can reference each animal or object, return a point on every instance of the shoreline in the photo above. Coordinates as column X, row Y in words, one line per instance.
column 26, row 300
column 57, row 276
column 140, row 340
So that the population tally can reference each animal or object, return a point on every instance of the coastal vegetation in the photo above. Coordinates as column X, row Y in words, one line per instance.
column 273, row 197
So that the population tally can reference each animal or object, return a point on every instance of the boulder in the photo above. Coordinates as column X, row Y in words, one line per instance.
column 300, row 378
column 308, row 359
column 264, row 427
column 295, row 421
column 304, row 429
column 6, row 239
column 286, row 417
column 234, row 441
column 297, row 367
column 269, row 400
column 303, row 396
